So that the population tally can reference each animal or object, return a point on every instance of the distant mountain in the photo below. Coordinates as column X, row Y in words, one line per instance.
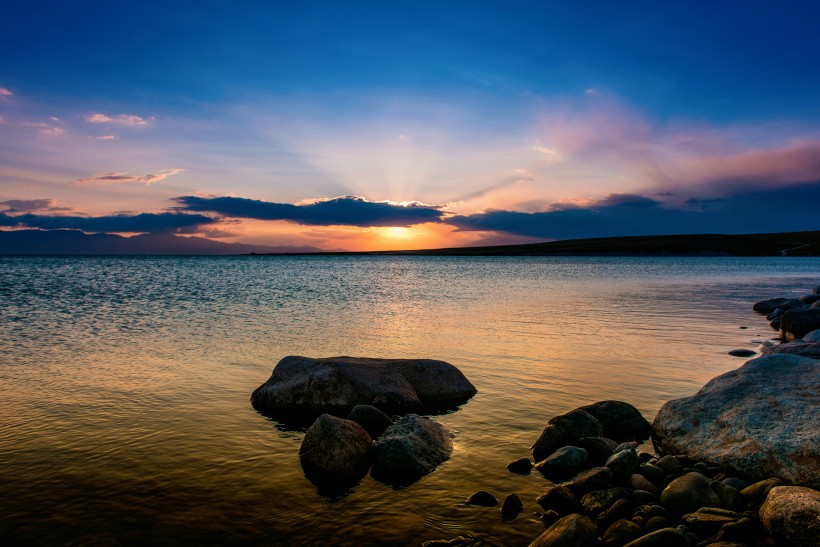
column 72, row 242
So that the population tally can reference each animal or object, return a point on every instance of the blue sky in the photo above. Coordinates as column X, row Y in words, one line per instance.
column 111, row 109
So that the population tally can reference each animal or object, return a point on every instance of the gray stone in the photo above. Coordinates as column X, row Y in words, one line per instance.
column 598, row 449
column 511, row 507
column 561, row 500
column 813, row 336
column 797, row 323
column 482, row 498
column 665, row 537
column 742, row 353
column 373, row 420
column 337, row 384
column 570, row 531
column 597, row 478
column 623, row 464
column 563, row 463
column 793, row 513
column 409, row 449
column 796, row 347
column 621, row 421
column 621, row 532
column 688, row 493
column 564, row 430
column 335, row 450
column 758, row 421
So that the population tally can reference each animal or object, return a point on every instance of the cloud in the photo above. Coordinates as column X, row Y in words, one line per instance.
column 31, row 205
column 116, row 178
column 781, row 209
column 340, row 211
column 5, row 92
column 143, row 222
column 106, row 138
column 121, row 119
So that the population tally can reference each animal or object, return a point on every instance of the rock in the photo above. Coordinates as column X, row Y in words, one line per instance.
column 735, row 483
column 337, row 384
column 639, row 482
column 335, row 450
column 730, row 497
column 623, row 464
column 409, row 449
column 688, row 493
column 768, row 306
column 758, row 491
column 563, row 463
column 570, row 531
column 656, row 523
column 810, row 298
column 742, row 531
column 373, row 420
column 643, row 496
column 482, row 498
column 598, row 449
column 564, row 430
column 522, row 466
column 511, row 507
column 796, row 347
column 816, row 305
column 707, row 521
column 549, row 518
column 561, row 500
column 742, row 353
column 621, row 509
column 669, row 464
column 813, row 336
column 793, row 513
column 756, row 421
column 652, row 472
column 621, row 532
column 798, row 323
column 621, row 421
column 600, row 500
column 597, row 478
column 665, row 537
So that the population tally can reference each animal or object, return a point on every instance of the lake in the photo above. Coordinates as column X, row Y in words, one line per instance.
column 125, row 381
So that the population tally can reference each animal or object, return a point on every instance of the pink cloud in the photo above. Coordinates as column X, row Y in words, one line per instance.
column 122, row 119
column 5, row 92
column 116, row 178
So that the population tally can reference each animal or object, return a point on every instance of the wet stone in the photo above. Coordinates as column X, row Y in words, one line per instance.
column 482, row 498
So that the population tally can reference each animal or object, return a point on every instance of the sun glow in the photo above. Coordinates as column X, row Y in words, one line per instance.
column 397, row 232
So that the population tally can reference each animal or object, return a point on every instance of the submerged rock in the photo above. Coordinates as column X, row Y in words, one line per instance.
column 758, row 421
column 564, row 430
column 409, row 449
column 337, row 384
column 793, row 513
column 335, row 450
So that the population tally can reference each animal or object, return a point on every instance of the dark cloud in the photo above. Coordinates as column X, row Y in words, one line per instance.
column 341, row 211
column 31, row 205
column 789, row 208
column 144, row 222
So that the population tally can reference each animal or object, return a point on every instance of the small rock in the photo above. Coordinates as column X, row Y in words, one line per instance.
column 598, row 449
column 706, row 522
column 729, row 497
column 652, row 472
column 561, row 500
column 665, row 537
column 793, row 513
column 623, row 464
column 669, row 464
column 570, row 531
column 621, row 532
column 597, row 478
column 768, row 306
column 621, row 509
column 656, row 523
column 564, row 430
column 643, row 497
column 409, row 449
column 813, row 336
column 758, row 491
column 520, row 467
column 600, row 500
column 563, row 463
column 548, row 518
column 735, row 483
column 743, row 531
column 688, row 493
column 511, row 507
column 742, row 353
column 373, row 420
column 482, row 498
column 639, row 482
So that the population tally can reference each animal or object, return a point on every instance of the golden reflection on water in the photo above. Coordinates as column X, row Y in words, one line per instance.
column 124, row 383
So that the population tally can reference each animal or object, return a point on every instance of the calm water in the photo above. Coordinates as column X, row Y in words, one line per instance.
column 124, row 382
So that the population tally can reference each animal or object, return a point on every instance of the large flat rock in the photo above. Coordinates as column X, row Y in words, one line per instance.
column 759, row 421
column 304, row 385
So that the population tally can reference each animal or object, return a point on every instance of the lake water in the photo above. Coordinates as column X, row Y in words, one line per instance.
column 125, row 381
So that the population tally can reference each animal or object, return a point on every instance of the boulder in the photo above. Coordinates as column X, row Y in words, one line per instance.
column 409, row 449
column 303, row 385
column 810, row 298
column 758, row 421
column 335, row 450
column 570, row 531
column 621, row 421
column 798, row 323
column 373, row 420
column 564, row 430
column 796, row 347
column 521, row 466
column 793, row 513
column 813, row 336
column 688, row 493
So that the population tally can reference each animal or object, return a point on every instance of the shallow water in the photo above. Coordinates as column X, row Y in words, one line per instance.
column 124, row 381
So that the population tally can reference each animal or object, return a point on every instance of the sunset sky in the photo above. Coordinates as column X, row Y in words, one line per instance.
column 394, row 125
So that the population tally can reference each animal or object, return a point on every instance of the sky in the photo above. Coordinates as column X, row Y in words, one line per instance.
column 399, row 125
